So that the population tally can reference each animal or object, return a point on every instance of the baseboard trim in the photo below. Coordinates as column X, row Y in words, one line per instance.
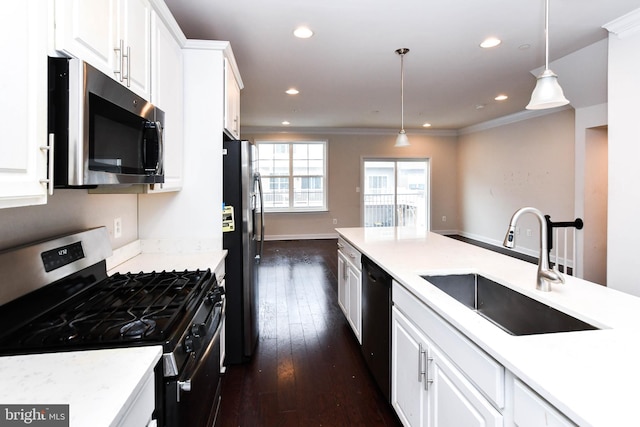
column 301, row 236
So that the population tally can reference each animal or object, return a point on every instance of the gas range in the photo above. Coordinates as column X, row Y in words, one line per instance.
column 59, row 298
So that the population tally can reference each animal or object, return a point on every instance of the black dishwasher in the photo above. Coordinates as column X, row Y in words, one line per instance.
column 376, row 323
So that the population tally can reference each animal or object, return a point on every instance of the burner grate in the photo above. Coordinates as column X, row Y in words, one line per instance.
column 123, row 308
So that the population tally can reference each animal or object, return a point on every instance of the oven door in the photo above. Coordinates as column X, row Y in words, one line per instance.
column 193, row 398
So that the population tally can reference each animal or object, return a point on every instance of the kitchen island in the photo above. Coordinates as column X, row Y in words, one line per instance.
column 588, row 376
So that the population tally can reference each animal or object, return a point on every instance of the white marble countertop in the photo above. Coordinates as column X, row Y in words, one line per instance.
column 590, row 376
column 147, row 257
column 148, row 262
column 96, row 384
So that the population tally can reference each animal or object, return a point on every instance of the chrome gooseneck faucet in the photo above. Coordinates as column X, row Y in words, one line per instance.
column 546, row 276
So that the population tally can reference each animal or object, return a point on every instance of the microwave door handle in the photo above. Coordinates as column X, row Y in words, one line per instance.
column 160, row 136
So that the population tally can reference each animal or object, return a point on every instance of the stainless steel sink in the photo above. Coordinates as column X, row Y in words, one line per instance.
column 512, row 311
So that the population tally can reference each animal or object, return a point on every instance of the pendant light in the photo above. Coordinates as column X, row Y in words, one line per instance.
column 402, row 140
column 547, row 93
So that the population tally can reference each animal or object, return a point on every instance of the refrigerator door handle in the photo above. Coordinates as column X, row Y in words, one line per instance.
column 258, row 179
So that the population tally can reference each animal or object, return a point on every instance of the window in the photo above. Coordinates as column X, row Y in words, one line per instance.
column 396, row 192
column 293, row 175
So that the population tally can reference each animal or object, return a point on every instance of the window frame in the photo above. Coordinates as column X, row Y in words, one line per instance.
column 291, row 177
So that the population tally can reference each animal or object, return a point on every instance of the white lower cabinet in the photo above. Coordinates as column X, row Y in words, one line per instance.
column 350, row 286
column 140, row 410
column 427, row 389
column 531, row 410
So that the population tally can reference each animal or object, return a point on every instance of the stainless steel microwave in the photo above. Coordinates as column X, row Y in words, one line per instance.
column 103, row 133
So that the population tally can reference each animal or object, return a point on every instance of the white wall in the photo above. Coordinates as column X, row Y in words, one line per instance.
column 191, row 220
column 346, row 151
column 624, row 154
column 69, row 211
column 594, row 265
column 525, row 163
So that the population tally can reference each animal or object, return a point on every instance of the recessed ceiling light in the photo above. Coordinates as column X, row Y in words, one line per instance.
column 302, row 32
column 490, row 42
column 426, row 125
column 501, row 97
column 286, row 123
column 292, row 91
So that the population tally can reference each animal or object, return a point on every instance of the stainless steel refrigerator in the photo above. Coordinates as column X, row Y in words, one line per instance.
column 243, row 231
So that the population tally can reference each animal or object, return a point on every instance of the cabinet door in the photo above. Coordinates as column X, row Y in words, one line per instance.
column 167, row 94
column 355, row 301
column 408, row 387
column 343, row 283
column 134, row 28
column 231, row 102
column 87, row 30
column 454, row 401
column 23, row 84
column 530, row 410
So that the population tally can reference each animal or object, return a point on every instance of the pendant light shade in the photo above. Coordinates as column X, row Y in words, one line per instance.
column 402, row 140
column 547, row 93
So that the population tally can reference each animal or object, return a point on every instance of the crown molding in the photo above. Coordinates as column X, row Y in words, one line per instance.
column 252, row 130
column 626, row 25
column 511, row 118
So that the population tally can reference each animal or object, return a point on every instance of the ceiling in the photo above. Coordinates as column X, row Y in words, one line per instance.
column 348, row 73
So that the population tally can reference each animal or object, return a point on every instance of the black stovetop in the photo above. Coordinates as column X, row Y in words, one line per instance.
column 119, row 310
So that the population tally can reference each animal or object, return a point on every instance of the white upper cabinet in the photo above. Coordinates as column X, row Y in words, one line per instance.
column 167, row 93
column 231, row 101
column 112, row 35
column 23, row 84
column 134, row 35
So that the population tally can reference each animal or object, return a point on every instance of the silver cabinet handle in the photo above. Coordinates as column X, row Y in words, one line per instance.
column 340, row 245
column 423, row 368
column 49, row 180
column 121, row 73
column 128, row 76
column 120, row 51
column 420, row 370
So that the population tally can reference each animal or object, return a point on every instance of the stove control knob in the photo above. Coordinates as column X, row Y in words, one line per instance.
column 188, row 344
column 215, row 295
column 197, row 329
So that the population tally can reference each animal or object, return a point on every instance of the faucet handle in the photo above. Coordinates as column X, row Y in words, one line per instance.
column 560, row 275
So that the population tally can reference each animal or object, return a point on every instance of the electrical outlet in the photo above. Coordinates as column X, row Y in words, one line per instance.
column 444, row 218
column 117, row 227
column 335, row 221
column 528, row 232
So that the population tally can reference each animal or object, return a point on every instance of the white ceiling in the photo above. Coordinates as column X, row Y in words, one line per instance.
column 349, row 76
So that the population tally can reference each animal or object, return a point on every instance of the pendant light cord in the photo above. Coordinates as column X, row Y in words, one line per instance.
column 402, row 89
column 546, row 34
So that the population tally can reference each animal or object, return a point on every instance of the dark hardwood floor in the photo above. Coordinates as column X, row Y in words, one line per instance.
column 307, row 369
